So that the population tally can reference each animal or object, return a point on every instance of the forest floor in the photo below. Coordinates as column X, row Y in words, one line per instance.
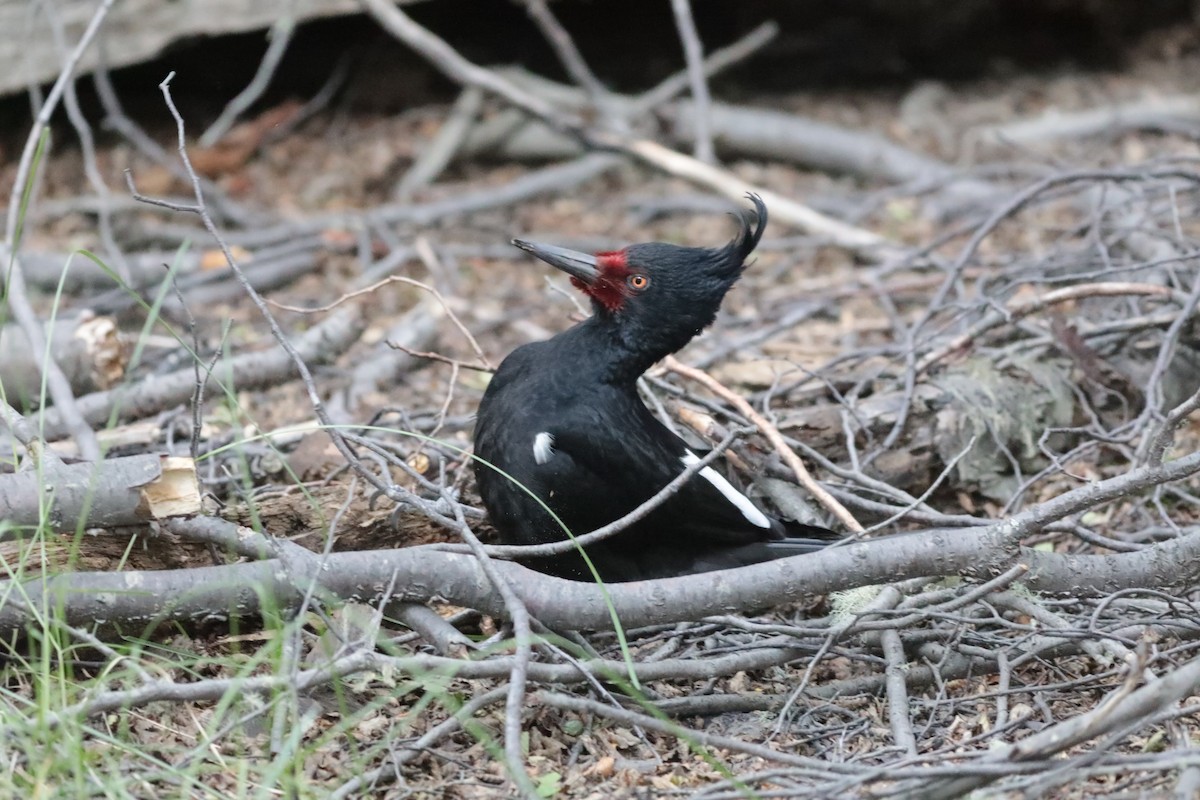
column 815, row 335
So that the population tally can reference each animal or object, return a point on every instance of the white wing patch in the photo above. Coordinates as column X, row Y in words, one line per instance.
column 748, row 509
column 543, row 447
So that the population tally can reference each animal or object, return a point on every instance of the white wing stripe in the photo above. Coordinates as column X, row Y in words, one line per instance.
column 748, row 509
column 543, row 447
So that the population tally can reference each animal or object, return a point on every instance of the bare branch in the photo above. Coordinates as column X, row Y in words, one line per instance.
column 693, row 51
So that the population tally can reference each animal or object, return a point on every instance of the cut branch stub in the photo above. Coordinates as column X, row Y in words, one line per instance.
column 87, row 348
column 113, row 493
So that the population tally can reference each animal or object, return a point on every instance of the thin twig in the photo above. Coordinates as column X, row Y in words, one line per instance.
column 14, row 289
column 436, row 155
column 773, row 435
column 1161, row 439
column 693, row 52
column 394, row 279
column 454, row 362
column 1024, row 308
column 280, row 36
column 717, row 61
column 519, row 675
column 573, row 543
column 564, row 47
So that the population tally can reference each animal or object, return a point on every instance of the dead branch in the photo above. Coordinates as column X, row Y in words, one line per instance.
column 320, row 344
column 693, row 51
column 419, row 574
column 554, row 179
column 1110, row 119
column 1122, row 709
column 85, row 347
column 869, row 244
column 437, row 154
column 15, row 292
column 280, row 36
column 737, row 130
column 776, row 439
column 116, row 492
column 457, row 68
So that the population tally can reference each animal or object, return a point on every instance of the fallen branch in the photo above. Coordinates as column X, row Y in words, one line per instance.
column 1015, row 311
column 85, row 347
column 772, row 433
column 1123, row 708
column 738, row 131
column 320, row 344
column 1109, row 119
column 559, row 178
column 783, row 209
column 459, row 69
column 117, row 492
column 421, row 574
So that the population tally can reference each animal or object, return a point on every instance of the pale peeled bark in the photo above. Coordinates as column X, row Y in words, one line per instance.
column 87, row 349
column 114, row 493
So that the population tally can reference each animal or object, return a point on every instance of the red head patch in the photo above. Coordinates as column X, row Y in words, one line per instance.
column 610, row 288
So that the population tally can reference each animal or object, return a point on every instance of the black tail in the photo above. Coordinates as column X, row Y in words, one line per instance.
column 799, row 538
column 798, row 530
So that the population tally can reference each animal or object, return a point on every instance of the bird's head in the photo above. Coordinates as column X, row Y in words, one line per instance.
column 659, row 295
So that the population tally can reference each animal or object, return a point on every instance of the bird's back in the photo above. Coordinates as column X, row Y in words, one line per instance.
column 591, row 453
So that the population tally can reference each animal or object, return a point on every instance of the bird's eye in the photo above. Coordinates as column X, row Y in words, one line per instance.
column 638, row 282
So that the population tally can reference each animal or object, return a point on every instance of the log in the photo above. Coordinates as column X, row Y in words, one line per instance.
column 114, row 493
column 87, row 349
column 135, row 31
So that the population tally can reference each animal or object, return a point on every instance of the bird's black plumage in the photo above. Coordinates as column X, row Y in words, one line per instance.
column 563, row 419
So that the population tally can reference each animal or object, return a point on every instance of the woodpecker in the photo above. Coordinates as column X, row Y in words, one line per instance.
column 561, row 426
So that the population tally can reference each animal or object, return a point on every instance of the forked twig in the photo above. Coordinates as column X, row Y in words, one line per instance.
column 397, row 279
column 773, row 436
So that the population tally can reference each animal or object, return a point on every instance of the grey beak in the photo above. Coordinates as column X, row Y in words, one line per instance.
column 574, row 263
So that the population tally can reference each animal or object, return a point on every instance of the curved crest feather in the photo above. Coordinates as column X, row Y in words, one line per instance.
column 752, row 224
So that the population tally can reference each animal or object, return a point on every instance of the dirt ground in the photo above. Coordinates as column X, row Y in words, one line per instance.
column 846, row 341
